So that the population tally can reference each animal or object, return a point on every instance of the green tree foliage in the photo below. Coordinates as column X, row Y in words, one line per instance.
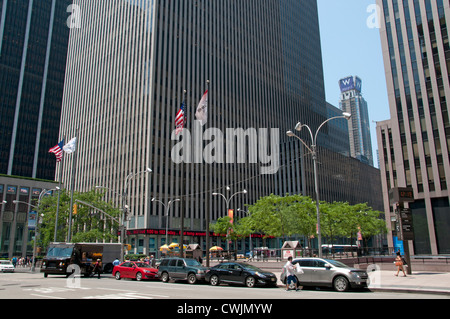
column 89, row 225
column 295, row 215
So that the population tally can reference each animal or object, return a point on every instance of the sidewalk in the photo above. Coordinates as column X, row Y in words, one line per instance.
column 418, row 282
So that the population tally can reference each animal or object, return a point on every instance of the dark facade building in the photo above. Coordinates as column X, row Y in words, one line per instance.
column 16, row 234
column 33, row 49
column 127, row 69
column 415, row 142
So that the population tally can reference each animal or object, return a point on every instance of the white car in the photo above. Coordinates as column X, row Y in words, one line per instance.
column 6, row 266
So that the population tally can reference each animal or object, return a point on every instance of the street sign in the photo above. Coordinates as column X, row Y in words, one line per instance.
column 406, row 224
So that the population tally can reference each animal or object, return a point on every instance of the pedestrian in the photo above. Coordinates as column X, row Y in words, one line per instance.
column 116, row 262
column 152, row 261
column 290, row 274
column 399, row 264
column 97, row 268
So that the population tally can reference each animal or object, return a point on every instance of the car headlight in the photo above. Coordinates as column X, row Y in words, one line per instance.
column 260, row 275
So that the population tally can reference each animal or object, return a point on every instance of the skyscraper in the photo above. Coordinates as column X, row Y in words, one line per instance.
column 353, row 102
column 416, row 140
column 129, row 64
column 33, row 48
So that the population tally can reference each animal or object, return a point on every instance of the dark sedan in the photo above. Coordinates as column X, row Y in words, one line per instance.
column 135, row 270
column 240, row 273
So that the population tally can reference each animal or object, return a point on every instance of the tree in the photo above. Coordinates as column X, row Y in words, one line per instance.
column 296, row 215
column 88, row 224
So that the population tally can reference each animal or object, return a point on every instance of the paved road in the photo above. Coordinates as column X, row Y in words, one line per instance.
column 34, row 286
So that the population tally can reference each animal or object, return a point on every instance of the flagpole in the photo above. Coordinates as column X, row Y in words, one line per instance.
column 61, row 163
column 207, row 206
column 74, row 164
column 183, row 175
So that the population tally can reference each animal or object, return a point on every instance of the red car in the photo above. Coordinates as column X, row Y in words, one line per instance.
column 135, row 270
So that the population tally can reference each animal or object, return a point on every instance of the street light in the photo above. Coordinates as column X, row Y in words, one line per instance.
column 227, row 201
column 313, row 150
column 33, row 265
column 167, row 208
column 126, row 207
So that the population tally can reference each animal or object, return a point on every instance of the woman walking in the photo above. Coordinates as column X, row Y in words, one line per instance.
column 399, row 264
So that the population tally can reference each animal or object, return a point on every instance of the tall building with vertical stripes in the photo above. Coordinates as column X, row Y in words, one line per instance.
column 129, row 63
column 415, row 142
column 33, row 48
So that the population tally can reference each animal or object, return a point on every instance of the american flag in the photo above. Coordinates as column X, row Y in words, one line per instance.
column 180, row 119
column 58, row 151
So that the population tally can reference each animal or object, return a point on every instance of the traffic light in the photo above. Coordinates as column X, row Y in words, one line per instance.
column 75, row 209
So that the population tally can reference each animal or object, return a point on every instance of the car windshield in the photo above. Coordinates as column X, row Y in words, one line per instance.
column 251, row 267
column 143, row 265
column 59, row 252
column 336, row 263
column 5, row 262
column 192, row 262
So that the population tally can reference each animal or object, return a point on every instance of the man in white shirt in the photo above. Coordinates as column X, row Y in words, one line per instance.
column 290, row 274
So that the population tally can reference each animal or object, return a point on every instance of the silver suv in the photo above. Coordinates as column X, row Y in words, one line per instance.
column 329, row 273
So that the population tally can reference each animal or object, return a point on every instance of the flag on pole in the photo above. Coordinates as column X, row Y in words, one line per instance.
column 202, row 109
column 180, row 119
column 58, row 151
column 71, row 147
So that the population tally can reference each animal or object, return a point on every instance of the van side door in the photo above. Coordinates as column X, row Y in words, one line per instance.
column 307, row 267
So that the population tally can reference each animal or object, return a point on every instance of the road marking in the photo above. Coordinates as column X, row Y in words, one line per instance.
column 51, row 297
column 129, row 295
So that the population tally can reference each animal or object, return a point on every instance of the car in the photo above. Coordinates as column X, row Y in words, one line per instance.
column 240, row 273
column 181, row 269
column 135, row 270
column 328, row 273
column 6, row 266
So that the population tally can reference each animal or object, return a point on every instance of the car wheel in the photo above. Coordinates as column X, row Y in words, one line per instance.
column 250, row 282
column 117, row 275
column 340, row 284
column 165, row 277
column 214, row 280
column 138, row 276
column 192, row 279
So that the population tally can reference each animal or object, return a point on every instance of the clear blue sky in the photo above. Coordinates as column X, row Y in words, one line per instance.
column 350, row 47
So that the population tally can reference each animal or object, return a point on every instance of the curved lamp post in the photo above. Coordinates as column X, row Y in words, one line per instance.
column 313, row 150
column 227, row 201
column 125, row 206
column 44, row 192
column 167, row 208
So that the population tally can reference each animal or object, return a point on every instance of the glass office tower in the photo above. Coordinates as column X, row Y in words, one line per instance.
column 129, row 64
column 33, row 49
column 353, row 102
column 416, row 141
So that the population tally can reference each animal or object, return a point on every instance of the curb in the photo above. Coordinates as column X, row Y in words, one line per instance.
column 411, row 291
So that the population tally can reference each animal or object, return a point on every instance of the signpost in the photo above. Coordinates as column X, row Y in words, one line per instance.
column 405, row 229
